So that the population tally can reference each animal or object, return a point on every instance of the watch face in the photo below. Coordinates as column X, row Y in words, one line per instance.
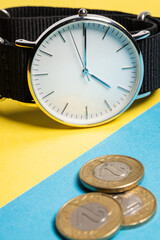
column 85, row 71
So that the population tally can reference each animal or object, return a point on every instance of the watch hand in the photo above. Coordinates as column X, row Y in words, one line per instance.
column 85, row 46
column 78, row 53
column 99, row 80
column 77, row 49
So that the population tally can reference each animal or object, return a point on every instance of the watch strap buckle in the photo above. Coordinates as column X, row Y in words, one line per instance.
column 3, row 15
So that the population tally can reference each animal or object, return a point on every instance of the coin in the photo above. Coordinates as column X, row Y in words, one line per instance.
column 138, row 206
column 89, row 216
column 111, row 173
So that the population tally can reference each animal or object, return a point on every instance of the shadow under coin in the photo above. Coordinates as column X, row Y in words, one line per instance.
column 54, row 228
column 79, row 185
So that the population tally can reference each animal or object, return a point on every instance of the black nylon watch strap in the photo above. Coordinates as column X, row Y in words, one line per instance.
column 29, row 22
column 13, row 72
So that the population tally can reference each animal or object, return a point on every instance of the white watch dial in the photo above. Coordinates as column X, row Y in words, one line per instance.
column 85, row 72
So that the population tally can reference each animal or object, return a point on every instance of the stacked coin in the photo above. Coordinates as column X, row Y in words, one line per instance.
column 118, row 200
column 89, row 216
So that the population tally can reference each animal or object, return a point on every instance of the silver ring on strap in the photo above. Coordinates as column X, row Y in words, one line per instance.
column 143, row 15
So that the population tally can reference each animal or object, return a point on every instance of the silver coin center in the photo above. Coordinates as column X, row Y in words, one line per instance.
column 131, row 203
column 89, row 216
column 112, row 171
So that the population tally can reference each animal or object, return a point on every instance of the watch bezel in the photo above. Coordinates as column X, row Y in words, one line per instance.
column 77, row 18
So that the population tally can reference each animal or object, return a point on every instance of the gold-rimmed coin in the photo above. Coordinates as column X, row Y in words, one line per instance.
column 111, row 173
column 138, row 206
column 89, row 216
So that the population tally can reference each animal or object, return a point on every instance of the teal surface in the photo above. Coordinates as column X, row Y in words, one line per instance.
column 31, row 216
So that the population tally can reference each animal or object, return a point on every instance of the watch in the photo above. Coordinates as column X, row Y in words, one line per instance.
column 82, row 69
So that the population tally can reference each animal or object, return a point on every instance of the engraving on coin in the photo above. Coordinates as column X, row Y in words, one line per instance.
column 131, row 203
column 112, row 171
column 138, row 206
column 89, row 216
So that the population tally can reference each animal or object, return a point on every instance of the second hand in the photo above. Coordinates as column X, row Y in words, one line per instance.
column 78, row 54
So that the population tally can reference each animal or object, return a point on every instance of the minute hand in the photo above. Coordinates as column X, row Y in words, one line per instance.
column 99, row 80
column 85, row 46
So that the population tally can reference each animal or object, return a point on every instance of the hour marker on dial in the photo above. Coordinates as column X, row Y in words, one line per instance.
column 122, row 47
column 128, row 67
column 123, row 89
column 49, row 54
column 105, row 33
column 108, row 105
column 86, row 109
column 60, row 34
column 39, row 74
column 48, row 94
column 64, row 108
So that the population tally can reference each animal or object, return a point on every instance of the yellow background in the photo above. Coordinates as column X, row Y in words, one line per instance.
column 32, row 146
column 131, row 6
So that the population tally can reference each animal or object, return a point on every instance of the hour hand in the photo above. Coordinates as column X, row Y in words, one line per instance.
column 99, row 80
